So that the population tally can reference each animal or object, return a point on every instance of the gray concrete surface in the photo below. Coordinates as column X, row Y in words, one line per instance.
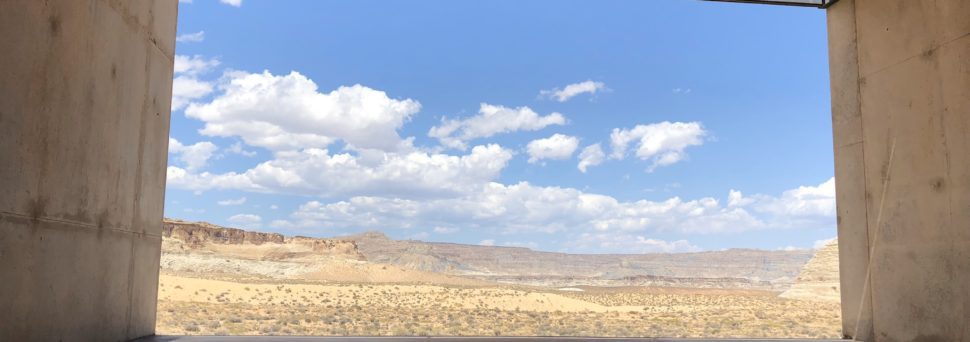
column 900, row 74
column 85, row 89
column 443, row 339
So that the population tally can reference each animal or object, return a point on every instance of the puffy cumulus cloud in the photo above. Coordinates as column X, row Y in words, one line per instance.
column 186, row 89
column 555, row 147
column 191, row 37
column 628, row 243
column 287, row 112
column 525, row 208
column 489, row 121
column 802, row 207
column 194, row 65
column 803, row 201
column 237, row 148
column 591, row 155
column 317, row 172
column 193, row 156
column 237, row 201
column 445, row 230
column 233, row 3
column 663, row 143
column 737, row 199
column 186, row 86
column 246, row 220
column 570, row 91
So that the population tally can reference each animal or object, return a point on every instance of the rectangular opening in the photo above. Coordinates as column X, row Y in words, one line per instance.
column 549, row 168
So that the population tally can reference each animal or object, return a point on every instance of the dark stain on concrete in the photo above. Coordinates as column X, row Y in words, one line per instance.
column 102, row 220
column 55, row 25
column 36, row 208
column 938, row 184
column 929, row 338
column 114, row 71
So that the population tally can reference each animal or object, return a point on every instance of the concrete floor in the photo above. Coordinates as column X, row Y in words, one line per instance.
column 441, row 339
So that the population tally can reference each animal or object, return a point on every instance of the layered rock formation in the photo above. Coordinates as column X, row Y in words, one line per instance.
column 819, row 279
column 742, row 268
column 199, row 234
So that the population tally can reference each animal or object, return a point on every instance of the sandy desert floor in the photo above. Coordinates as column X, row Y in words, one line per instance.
column 192, row 306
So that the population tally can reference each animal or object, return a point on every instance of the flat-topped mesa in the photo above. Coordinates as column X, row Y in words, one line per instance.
column 199, row 233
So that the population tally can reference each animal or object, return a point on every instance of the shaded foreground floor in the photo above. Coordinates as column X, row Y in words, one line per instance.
column 441, row 339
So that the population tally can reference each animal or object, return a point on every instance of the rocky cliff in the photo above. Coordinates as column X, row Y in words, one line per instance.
column 199, row 235
column 819, row 279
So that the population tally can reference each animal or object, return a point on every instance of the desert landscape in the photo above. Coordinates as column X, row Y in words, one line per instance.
column 225, row 281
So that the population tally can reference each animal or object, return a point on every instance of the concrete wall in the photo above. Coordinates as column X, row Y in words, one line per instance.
column 901, row 120
column 85, row 89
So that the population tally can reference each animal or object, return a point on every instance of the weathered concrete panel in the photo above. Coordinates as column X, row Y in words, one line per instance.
column 914, row 99
column 849, row 170
column 85, row 87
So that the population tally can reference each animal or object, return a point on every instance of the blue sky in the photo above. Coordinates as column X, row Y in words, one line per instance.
column 578, row 126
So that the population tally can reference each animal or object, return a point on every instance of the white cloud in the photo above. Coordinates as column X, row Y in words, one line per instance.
column 274, row 207
column 194, row 65
column 237, row 201
column 592, row 155
column 319, row 173
column 287, row 112
column 249, row 221
column 193, row 156
column 191, row 37
column 237, row 148
column 445, row 230
column 555, row 147
column 487, row 242
column 185, row 89
column 570, row 91
column 288, row 115
column 736, row 199
column 663, row 143
column 491, row 120
column 803, row 201
column 234, row 3
column 628, row 243
column 524, row 208
column 186, row 86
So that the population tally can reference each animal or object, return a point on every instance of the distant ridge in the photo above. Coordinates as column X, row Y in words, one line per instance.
column 734, row 268
column 745, row 268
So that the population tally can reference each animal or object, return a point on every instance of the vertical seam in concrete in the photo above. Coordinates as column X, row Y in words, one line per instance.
column 138, row 187
column 866, row 291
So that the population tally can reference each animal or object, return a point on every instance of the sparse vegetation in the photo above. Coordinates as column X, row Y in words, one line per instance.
column 273, row 308
column 293, row 287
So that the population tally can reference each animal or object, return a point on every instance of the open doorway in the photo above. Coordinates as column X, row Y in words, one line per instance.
column 549, row 168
